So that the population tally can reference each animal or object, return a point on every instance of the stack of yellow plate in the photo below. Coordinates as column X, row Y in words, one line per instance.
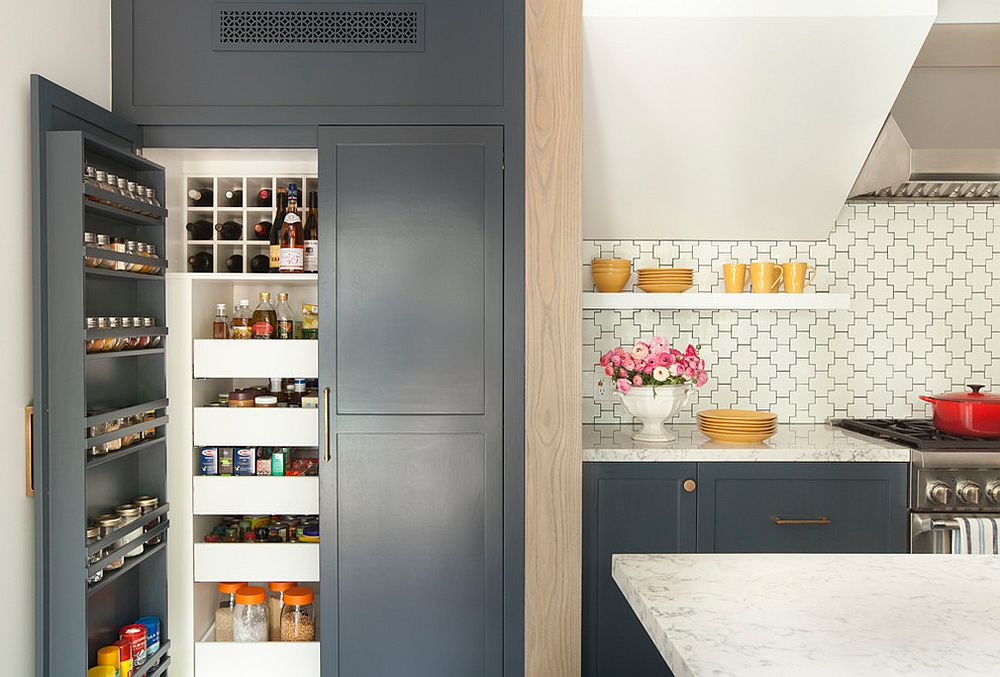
column 669, row 280
column 737, row 425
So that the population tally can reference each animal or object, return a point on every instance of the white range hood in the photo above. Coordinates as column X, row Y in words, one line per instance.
column 736, row 119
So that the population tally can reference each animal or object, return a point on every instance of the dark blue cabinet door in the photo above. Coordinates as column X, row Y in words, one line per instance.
column 802, row 507
column 628, row 508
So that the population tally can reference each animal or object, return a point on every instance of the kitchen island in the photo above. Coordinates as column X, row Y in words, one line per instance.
column 817, row 615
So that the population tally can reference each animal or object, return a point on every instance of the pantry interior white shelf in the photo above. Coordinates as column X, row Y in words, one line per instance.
column 715, row 301
column 256, row 659
column 256, row 562
column 215, row 358
column 256, row 427
column 256, row 495
column 279, row 278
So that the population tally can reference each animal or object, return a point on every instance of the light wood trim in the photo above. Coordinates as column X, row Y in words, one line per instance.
column 553, row 445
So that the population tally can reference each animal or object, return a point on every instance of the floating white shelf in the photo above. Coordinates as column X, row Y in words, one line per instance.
column 256, row 495
column 279, row 278
column 256, row 427
column 256, row 562
column 716, row 301
column 255, row 359
column 256, row 659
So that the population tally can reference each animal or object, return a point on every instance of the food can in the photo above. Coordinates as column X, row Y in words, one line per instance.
column 135, row 635
column 209, row 461
column 152, row 625
column 125, row 657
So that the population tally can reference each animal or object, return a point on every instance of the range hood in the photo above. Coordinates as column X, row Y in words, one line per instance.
column 736, row 119
column 942, row 140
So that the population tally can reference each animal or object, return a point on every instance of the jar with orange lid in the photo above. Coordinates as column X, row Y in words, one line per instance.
column 250, row 615
column 275, row 600
column 224, row 612
column 298, row 616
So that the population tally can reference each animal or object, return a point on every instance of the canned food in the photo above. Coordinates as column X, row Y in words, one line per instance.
column 135, row 635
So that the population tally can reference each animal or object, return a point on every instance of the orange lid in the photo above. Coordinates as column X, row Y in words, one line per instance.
column 230, row 588
column 280, row 586
column 109, row 655
column 298, row 595
column 250, row 594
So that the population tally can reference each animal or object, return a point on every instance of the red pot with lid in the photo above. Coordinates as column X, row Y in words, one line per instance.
column 972, row 414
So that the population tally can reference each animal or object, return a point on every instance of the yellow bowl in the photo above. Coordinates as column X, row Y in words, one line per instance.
column 610, row 282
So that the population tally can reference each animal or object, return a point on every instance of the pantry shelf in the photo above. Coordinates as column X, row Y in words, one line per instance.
column 214, row 358
column 256, row 658
column 107, row 211
column 256, row 426
column 112, row 456
column 256, row 562
column 256, row 495
column 715, row 301
column 278, row 278
column 130, row 563
column 151, row 669
column 122, row 274
column 104, row 196
column 125, row 353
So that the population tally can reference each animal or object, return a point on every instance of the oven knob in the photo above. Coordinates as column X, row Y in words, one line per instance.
column 939, row 492
column 993, row 492
column 969, row 492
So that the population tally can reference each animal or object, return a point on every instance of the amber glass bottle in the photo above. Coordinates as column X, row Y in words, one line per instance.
column 274, row 250
column 264, row 318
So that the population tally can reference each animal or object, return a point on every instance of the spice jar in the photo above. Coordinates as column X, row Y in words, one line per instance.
column 130, row 512
column 110, row 656
column 148, row 504
column 135, row 635
column 224, row 612
column 250, row 615
column 241, row 398
column 275, row 600
column 93, row 536
column 142, row 340
column 109, row 523
column 266, row 401
column 154, row 341
column 91, row 343
column 132, row 249
column 149, row 433
column 118, row 245
column 117, row 342
column 298, row 616
column 90, row 241
column 128, row 342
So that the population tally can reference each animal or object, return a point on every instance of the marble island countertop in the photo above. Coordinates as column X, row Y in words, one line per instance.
column 793, row 442
column 817, row 615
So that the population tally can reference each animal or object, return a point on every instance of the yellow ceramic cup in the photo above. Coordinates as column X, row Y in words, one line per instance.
column 734, row 276
column 765, row 277
column 797, row 275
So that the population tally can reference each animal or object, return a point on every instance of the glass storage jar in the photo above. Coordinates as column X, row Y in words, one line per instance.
column 148, row 504
column 298, row 616
column 250, row 615
column 93, row 536
column 275, row 601
column 130, row 512
column 154, row 341
column 224, row 612
column 109, row 523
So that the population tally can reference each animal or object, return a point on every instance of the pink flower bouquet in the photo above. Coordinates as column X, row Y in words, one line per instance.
column 654, row 363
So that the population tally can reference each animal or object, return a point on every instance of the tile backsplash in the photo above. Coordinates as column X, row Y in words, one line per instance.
column 925, row 285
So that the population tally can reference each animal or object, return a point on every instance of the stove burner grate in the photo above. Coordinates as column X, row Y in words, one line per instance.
column 918, row 433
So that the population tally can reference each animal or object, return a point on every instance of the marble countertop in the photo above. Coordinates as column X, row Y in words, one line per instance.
column 817, row 615
column 793, row 442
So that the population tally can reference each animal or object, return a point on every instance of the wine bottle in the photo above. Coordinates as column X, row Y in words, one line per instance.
column 290, row 239
column 234, row 264
column 200, row 197
column 230, row 230
column 200, row 262
column 263, row 197
column 200, row 230
column 310, row 258
column 259, row 263
column 279, row 217
column 234, row 197
column 262, row 230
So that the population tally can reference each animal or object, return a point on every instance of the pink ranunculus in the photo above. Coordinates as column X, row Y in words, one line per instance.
column 637, row 380
column 657, row 344
column 665, row 359
column 623, row 385
column 605, row 359
column 609, row 370
column 702, row 378
column 661, row 374
column 640, row 350
column 690, row 373
column 616, row 359
column 691, row 350
column 628, row 363
column 648, row 369
column 676, row 369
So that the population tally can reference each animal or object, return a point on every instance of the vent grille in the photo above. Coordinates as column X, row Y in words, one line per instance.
column 319, row 27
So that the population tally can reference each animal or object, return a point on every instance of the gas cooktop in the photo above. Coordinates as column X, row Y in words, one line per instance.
column 918, row 433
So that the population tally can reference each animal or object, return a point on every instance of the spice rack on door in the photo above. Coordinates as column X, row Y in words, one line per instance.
column 247, row 216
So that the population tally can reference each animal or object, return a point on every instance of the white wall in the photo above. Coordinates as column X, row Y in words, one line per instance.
column 69, row 42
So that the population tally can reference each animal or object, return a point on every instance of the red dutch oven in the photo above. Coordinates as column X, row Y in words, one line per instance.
column 972, row 414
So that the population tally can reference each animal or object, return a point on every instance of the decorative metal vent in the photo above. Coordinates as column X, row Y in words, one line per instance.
column 244, row 26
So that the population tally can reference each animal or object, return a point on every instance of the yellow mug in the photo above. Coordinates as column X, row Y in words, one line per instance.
column 734, row 276
column 797, row 275
column 765, row 277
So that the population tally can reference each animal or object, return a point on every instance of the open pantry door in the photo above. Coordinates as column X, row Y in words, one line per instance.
column 100, row 407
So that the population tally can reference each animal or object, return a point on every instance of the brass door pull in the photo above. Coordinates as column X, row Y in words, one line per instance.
column 786, row 521
column 326, row 423
column 29, row 451
column 690, row 486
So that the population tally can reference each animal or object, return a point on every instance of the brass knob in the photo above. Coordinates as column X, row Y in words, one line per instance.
column 690, row 486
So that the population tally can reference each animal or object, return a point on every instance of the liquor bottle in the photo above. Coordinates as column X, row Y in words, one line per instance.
column 200, row 230
column 234, row 264
column 279, row 217
column 234, row 197
column 285, row 328
column 259, row 263
column 291, row 243
column 200, row 262
column 242, row 322
column 230, row 230
column 310, row 258
column 221, row 325
column 262, row 230
column 200, row 197
column 264, row 318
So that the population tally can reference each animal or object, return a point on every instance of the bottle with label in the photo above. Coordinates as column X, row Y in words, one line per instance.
column 310, row 260
column 242, row 327
column 290, row 251
column 285, row 328
column 279, row 217
column 264, row 318
column 221, row 327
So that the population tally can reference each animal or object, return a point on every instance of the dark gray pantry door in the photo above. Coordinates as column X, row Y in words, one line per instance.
column 411, row 350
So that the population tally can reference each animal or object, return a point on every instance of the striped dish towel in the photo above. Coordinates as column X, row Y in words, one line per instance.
column 976, row 536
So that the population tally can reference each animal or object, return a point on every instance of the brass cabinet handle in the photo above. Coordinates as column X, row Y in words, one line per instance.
column 690, row 486
column 29, row 451
column 326, row 423
column 786, row 521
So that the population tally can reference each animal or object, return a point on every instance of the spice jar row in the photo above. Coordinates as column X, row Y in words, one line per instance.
column 138, row 340
column 137, row 643
column 120, row 424
column 266, row 529
column 280, row 393
column 103, row 525
column 256, row 461
column 120, row 245
column 119, row 185
column 285, row 612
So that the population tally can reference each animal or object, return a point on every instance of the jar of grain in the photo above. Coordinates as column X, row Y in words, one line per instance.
column 130, row 512
column 241, row 398
column 250, row 615
column 109, row 523
column 224, row 612
column 275, row 600
column 298, row 616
